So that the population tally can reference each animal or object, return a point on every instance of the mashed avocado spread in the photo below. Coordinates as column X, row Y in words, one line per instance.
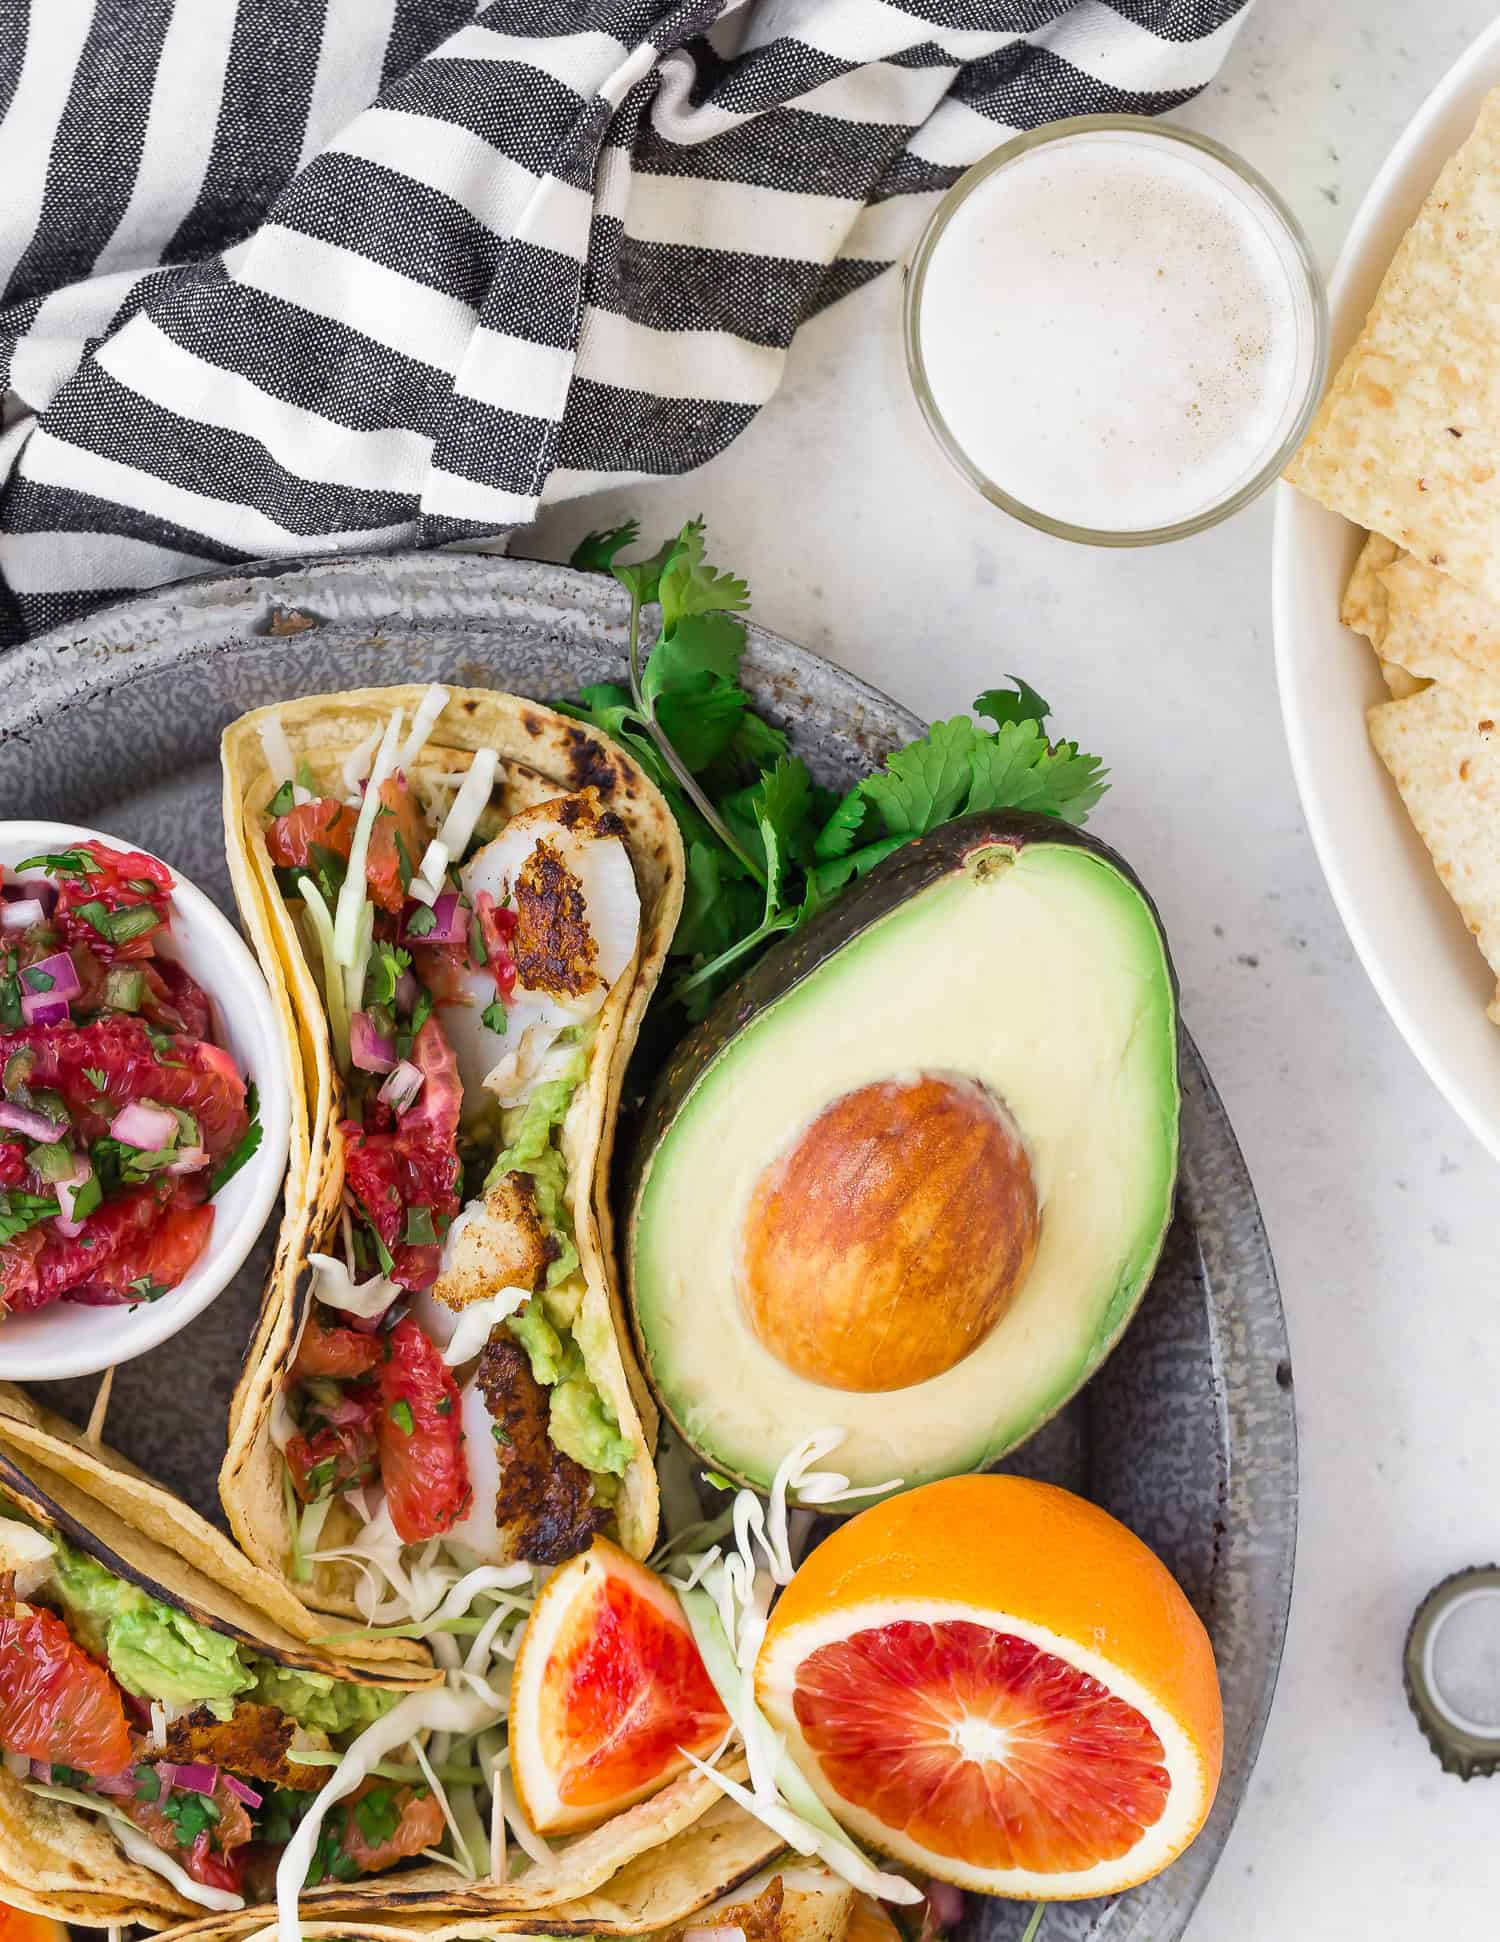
column 552, row 1329
column 158, row 1652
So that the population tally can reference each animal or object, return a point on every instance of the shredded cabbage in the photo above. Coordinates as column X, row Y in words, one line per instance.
column 353, row 892
column 726, row 1593
column 336, row 1288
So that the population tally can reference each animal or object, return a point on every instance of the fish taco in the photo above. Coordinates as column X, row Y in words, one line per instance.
column 165, row 1712
column 462, row 901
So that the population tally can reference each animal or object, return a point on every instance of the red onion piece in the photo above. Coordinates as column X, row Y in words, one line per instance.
column 119, row 1783
column 449, row 924
column 42, row 1008
column 42, row 1770
column 945, row 1904
column 240, row 1791
column 28, row 1123
column 22, row 914
column 402, row 1087
column 197, row 1778
column 368, row 1050
column 150, row 1128
column 189, row 1160
column 407, row 992
column 25, row 888
column 61, row 969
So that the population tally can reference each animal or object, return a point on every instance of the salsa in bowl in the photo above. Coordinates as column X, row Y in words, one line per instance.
column 143, row 1101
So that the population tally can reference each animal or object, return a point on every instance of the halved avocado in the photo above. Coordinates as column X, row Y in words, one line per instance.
column 911, row 1176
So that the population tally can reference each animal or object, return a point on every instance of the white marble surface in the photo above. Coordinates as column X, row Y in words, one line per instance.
column 860, row 542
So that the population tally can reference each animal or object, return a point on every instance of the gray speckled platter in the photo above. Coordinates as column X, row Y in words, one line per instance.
column 1188, row 1432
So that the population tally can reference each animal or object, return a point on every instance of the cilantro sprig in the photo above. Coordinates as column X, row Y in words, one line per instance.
column 767, row 848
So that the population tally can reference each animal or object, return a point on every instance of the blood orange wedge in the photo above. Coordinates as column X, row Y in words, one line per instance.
column 56, row 1703
column 608, row 1692
column 19, row 1925
column 995, row 1682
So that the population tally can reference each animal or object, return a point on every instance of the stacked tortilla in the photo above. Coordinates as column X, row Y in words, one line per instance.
column 1407, row 445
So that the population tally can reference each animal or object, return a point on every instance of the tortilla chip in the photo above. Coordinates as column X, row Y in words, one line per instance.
column 1407, row 439
column 542, row 755
column 1400, row 681
column 1443, row 753
column 1364, row 604
column 1439, row 630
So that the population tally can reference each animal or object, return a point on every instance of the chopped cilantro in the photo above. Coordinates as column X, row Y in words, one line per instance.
column 479, row 955
column 97, row 1077
column 20, row 1211
column 421, row 921
column 443, row 1406
column 38, row 979
column 230, row 1165
column 383, row 973
column 282, row 801
column 147, row 1783
column 500, row 1433
column 68, row 1776
column 419, row 1230
column 143, row 1288
column 382, row 1252
column 400, row 1414
column 64, row 863
column 377, row 1815
column 494, row 1016
column 190, row 1815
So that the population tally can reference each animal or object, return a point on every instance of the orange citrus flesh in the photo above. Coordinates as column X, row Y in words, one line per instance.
column 621, row 1692
column 994, row 1680
column 889, row 1712
column 868, row 1922
column 18, row 1925
column 56, row 1703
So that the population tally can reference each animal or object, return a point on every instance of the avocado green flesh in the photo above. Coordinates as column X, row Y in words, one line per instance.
column 158, row 1652
column 1046, row 979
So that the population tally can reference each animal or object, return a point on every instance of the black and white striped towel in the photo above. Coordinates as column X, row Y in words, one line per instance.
column 287, row 277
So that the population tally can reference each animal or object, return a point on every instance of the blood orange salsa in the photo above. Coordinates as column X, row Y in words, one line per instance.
column 121, row 1116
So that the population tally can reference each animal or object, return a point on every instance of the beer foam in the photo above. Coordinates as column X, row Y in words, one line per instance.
column 1114, row 328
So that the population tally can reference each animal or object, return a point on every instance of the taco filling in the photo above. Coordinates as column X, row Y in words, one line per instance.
column 444, row 1383
column 120, row 1116
column 203, row 1754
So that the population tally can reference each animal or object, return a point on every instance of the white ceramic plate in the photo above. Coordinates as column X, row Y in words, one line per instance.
column 1406, row 929
column 73, row 1339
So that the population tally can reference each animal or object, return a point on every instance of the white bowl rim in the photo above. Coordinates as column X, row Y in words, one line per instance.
column 236, row 981
column 1414, row 1022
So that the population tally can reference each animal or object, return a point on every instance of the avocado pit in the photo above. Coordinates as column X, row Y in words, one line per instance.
column 885, row 1243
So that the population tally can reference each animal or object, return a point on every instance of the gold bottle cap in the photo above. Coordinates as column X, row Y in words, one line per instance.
column 1452, row 1671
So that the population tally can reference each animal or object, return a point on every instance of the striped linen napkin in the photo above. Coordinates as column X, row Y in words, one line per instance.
column 295, row 277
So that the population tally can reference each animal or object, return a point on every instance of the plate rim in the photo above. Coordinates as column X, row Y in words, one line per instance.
column 1295, row 515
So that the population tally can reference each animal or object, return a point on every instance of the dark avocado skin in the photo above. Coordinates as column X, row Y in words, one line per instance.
column 915, row 867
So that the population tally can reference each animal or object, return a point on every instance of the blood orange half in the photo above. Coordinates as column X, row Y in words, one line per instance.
column 993, row 1681
column 18, row 1925
column 608, row 1691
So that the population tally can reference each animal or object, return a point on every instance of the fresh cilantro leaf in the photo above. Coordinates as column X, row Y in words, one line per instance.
column 689, row 586
column 382, row 1252
column 144, row 1288
column 838, row 835
column 700, row 648
column 421, row 921
column 147, row 1783
column 494, row 1015
column 1018, row 769
column 642, row 580
column 68, row 1776
column 400, row 1414
column 230, row 1165
column 377, row 1815
column 781, row 800
column 383, row 972
column 20, row 1210
column 97, row 1077
column 595, row 552
column 282, row 801
column 927, row 782
column 1001, row 707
